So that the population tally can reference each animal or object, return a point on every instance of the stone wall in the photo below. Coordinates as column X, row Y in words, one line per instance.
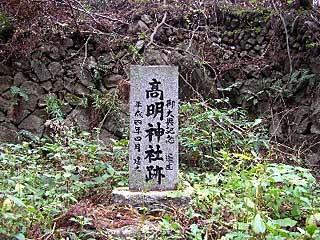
column 221, row 52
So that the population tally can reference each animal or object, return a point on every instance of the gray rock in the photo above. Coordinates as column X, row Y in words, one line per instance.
column 146, row 18
column 139, row 45
column 55, row 69
column 34, row 124
column 151, row 199
column 142, row 26
column 22, row 64
column 40, row 70
column 251, row 41
column 47, row 85
column 19, row 78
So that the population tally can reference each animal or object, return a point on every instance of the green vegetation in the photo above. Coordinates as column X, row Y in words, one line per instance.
column 239, row 192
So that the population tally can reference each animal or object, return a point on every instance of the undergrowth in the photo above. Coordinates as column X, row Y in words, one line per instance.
column 238, row 193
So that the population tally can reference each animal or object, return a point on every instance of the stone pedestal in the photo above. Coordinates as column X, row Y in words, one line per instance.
column 151, row 199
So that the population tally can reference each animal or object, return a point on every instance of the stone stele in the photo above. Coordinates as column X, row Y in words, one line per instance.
column 153, row 157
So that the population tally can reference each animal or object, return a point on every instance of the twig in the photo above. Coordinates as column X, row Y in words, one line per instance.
column 287, row 35
column 82, row 9
column 85, row 55
column 156, row 29
column 192, row 36
column 73, row 16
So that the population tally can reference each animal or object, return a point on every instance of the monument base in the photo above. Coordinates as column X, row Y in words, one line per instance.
column 151, row 199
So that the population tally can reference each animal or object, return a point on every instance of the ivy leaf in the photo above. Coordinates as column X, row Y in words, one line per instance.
column 258, row 225
column 285, row 222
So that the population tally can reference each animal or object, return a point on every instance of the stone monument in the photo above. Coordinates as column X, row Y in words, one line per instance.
column 153, row 163
column 153, row 157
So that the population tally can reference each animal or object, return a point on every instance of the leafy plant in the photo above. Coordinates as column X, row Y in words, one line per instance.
column 54, row 108
column 207, row 133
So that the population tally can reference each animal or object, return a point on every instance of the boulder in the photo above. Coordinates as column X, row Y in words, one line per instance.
column 33, row 124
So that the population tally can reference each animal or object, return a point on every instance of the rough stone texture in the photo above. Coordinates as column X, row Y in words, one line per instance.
column 153, row 161
column 40, row 70
column 33, row 91
column 19, row 78
column 55, row 69
column 5, row 83
column 112, row 81
column 151, row 199
column 33, row 124
column 8, row 132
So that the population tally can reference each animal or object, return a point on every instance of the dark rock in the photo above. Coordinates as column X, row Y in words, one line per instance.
column 67, row 43
column 243, row 53
column 81, row 118
column 40, row 70
column 21, row 65
column 257, row 48
column 55, row 54
column 34, row 124
column 155, row 57
column 19, row 78
column 243, row 44
column 105, row 136
column 4, row 70
column 5, row 83
column 112, row 81
column 17, row 116
column 251, row 41
column 58, row 85
column 247, row 47
column 33, row 91
column 2, row 117
column 4, row 104
column 69, row 84
column 8, row 132
column 260, row 39
column 55, row 69
column 81, row 90
column 47, row 85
